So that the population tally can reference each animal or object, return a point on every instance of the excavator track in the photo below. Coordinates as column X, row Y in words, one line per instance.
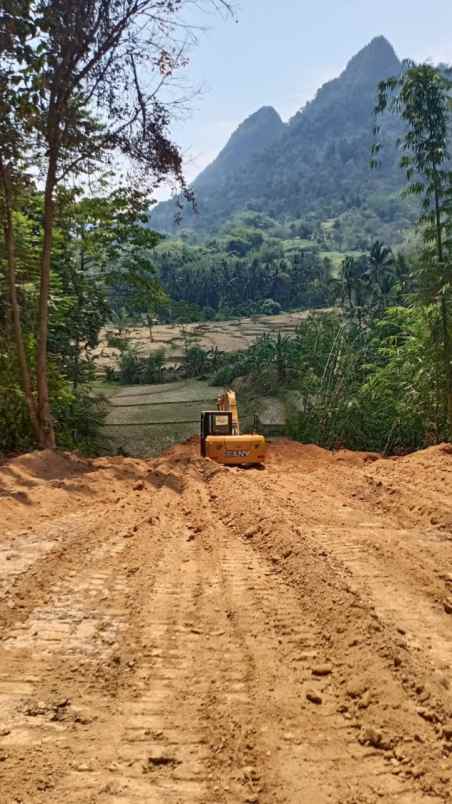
column 180, row 632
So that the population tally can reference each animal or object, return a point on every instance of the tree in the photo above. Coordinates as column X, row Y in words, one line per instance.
column 144, row 293
column 270, row 307
column 75, row 94
column 381, row 274
column 421, row 98
column 13, row 185
column 354, row 284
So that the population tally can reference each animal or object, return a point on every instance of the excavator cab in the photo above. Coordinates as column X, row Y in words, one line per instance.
column 220, row 436
column 214, row 423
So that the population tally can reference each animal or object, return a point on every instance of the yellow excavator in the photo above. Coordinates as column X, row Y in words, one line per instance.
column 220, row 435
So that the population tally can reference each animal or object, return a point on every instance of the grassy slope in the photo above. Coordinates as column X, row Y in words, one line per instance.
column 170, row 402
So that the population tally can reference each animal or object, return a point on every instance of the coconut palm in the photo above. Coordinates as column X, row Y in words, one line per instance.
column 381, row 273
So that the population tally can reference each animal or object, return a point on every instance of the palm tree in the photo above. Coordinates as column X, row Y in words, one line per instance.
column 381, row 272
column 354, row 280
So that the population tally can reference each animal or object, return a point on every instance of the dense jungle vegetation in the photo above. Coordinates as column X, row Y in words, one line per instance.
column 258, row 265
column 83, row 87
column 77, row 252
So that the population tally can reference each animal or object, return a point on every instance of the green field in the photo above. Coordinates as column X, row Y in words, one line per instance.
column 145, row 420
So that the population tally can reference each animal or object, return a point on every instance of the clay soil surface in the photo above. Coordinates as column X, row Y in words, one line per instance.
column 176, row 632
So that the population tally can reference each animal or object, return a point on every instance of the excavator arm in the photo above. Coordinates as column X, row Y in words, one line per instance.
column 227, row 402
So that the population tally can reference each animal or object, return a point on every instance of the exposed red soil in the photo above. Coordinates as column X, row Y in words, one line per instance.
column 175, row 631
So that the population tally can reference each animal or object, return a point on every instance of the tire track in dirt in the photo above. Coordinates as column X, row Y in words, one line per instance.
column 64, row 622
column 305, row 754
column 406, row 589
column 335, row 604
column 176, row 647
column 159, row 661
column 398, row 601
column 34, row 563
column 69, row 639
column 150, row 749
column 155, row 746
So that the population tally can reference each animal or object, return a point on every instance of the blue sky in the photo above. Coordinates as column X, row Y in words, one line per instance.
column 280, row 52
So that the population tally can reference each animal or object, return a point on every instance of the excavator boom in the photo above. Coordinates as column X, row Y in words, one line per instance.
column 228, row 403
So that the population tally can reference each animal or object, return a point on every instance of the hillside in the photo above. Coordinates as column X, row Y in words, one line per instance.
column 317, row 163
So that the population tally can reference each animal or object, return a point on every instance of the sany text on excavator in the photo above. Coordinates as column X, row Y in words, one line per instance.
column 220, row 435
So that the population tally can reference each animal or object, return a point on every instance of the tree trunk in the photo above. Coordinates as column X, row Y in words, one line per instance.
column 11, row 271
column 448, row 362
column 76, row 289
column 150, row 322
column 447, row 346
column 47, row 432
column 76, row 376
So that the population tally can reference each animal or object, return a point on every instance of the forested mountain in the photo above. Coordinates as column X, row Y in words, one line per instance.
column 257, row 133
column 317, row 163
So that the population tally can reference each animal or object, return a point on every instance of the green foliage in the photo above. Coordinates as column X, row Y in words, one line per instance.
column 404, row 392
column 224, row 375
column 79, row 417
column 370, row 389
column 15, row 428
column 378, row 386
column 137, row 369
column 96, row 241
column 208, row 280
column 279, row 269
column 421, row 97
column 116, row 342
column 197, row 362
column 78, row 414
column 130, row 367
column 270, row 307
column 367, row 285
column 74, row 96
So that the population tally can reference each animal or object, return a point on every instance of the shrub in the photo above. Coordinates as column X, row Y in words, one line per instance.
column 78, row 414
column 130, row 366
column 225, row 375
column 197, row 362
column 154, row 367
column 16, row 434
column 79, row 419
column 270, row 307
column 137, row 369
column 116, row 342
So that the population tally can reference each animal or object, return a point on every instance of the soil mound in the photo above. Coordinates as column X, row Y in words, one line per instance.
column 47, row 465
column 175, row 630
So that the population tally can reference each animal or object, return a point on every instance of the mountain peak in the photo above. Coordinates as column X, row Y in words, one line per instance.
column 375, row 61
column 252, row 136
column 266, row 119
column 318, row 160
column 265, row 113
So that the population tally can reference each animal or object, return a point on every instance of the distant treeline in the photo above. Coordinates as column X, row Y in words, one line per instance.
column 254, row 265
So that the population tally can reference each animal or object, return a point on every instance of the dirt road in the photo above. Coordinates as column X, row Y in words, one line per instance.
column 177, row 632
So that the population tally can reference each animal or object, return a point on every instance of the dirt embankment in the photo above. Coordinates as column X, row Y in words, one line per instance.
column 175, row 631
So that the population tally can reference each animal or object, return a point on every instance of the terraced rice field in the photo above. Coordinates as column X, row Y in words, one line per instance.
column 146, row 419
column 227, row 336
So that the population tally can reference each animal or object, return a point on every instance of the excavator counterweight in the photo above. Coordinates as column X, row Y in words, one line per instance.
column 221, row 439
